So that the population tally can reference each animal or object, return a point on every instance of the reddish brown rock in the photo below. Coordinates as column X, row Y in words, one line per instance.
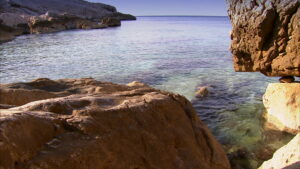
column 266, row 36
column 104, row 125
column 43, row 88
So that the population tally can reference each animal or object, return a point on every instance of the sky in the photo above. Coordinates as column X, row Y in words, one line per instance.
column 169, row 7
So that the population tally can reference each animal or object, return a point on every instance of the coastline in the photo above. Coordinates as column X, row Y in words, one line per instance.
column 19, row 18
column 76, row 106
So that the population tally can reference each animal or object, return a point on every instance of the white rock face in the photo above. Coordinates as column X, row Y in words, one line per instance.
column 282, row 101
column 287, row 157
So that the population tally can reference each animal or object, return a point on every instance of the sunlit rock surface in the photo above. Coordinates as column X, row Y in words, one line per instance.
column 266, row 36
column 287, row 157
column 282, row 101
column 83, row 123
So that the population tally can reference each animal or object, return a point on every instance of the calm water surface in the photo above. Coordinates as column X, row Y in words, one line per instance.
column 171, row 53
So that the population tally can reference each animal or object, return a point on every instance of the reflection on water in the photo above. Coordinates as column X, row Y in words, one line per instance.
column 171, row 53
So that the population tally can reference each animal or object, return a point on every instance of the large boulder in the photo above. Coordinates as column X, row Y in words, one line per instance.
column 266, row 36
column 91, row 124
column 282, row 102
column 287, row 157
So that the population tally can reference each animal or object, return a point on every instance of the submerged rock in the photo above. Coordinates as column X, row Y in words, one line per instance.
column 287, row 157
column 282, row 101
column 266, row 36
column 19, row 17
column 202, row 92
column 83, row 123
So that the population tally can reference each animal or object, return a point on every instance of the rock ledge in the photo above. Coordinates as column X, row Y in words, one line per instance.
column 83, row 123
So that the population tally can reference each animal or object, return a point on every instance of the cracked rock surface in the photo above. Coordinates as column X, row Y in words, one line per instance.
column 83, row 123
column 266, row 36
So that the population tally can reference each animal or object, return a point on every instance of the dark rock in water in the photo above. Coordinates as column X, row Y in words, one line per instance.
column 287, row 79
column 264, row 153
column 238, row 159
column 43, row 16
column 111, row 22
column 266, row 36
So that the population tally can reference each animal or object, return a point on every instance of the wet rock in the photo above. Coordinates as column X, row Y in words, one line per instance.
column 287, row 157
column 92, row 124
column 265, row 36
column 239, row 159
column 287, row 79
column 282, row 101
column 111, row 22
column 202, row 92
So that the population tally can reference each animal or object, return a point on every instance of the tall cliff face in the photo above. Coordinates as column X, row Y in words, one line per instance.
column 266, row 36
column 19, row 17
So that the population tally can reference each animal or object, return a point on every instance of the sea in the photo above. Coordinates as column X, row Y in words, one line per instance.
column 173, row 53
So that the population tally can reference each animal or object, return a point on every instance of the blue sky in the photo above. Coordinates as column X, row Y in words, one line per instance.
column 169, row 7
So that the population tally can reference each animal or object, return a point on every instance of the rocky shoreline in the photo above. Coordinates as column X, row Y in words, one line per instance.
column 84, row 123
column 46, row 16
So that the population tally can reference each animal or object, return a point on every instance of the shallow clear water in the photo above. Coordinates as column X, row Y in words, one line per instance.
column 171, row 53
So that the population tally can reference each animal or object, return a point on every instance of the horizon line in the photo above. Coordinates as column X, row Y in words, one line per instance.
column 182, row 15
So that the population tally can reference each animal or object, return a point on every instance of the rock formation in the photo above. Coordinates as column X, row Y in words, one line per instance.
column 282, row 101
column 202, row 92
column 266, row 36
column 19, row 17
column 83, row 123
column 287, row 157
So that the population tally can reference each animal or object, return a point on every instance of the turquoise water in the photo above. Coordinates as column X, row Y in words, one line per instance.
column 171, row 53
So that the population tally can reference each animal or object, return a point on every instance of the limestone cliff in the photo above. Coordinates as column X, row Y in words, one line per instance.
column 83, row 123
column 42, row 16
column 266, row 36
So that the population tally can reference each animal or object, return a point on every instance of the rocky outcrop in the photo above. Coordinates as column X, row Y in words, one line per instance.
column 83, row 123
column 287, row 157
column 266, row 36
column 43, row 16
column 282, row 101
